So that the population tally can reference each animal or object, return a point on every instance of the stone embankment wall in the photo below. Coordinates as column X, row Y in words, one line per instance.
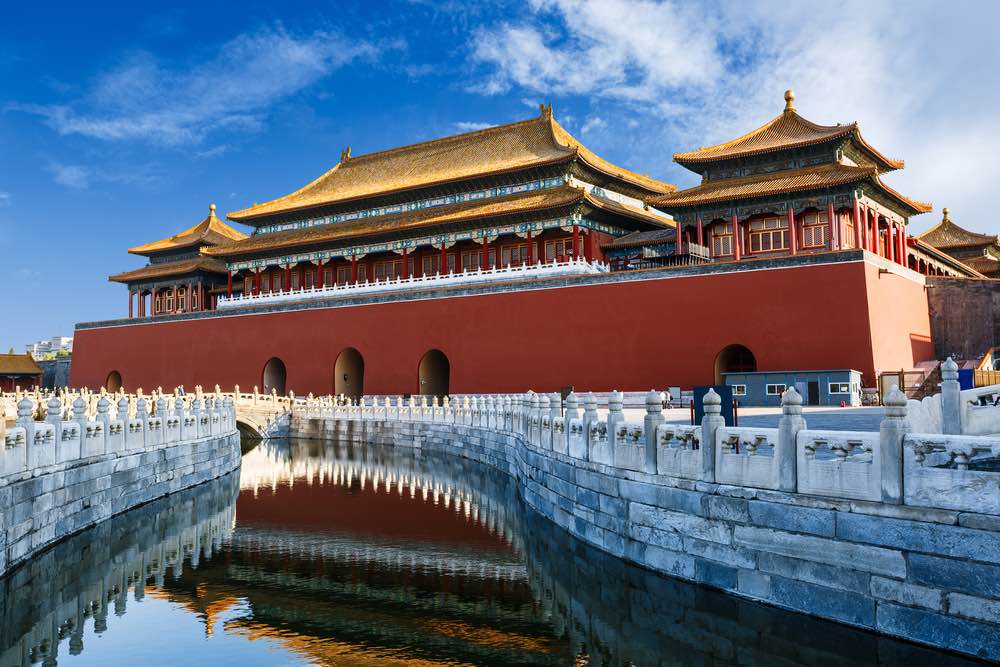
column 923, row 574
column 93, row 458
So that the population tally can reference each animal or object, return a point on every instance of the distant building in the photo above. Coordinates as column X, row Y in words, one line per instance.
column 19, row 370
column 978, row 251
column 42, row 348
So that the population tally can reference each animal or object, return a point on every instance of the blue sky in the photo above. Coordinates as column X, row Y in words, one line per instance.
column 120, row 123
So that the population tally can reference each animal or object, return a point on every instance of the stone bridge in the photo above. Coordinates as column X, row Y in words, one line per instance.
column 891, row 530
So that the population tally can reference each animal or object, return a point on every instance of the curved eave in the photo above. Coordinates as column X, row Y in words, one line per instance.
column 621, row 209
column 944, row 257
column 915, row 207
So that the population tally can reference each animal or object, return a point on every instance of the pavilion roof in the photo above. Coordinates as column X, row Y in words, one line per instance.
column 504, row 148
column 787, row 131
column 642, row 238
column 165, row 269
column 946, row 234
column 210, row 231
column 817, row 177
column 959, row 264
column 18, row 364
column 530, row 202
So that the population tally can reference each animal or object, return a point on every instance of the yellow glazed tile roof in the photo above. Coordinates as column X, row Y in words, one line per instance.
column 793, row 180
column 788, row 130
column 165, row 269
column 504, row 148
column 18, row 364
column 946, row 234
column 464, row 212
column 209, row 231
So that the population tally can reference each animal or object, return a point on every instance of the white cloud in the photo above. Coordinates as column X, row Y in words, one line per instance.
column 71, row 175
column 919, row 80
column 148, row 100
column 5, row 198
column 471, row 126
column 593, row 123
column 81, row 177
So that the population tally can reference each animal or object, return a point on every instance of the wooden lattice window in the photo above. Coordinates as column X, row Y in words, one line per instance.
column 814, row 230
column 767, row 234
column 722, row 239
column 848, row 238
column 514, row 255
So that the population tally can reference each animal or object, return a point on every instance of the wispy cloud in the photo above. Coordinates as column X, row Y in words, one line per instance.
column 5, row 198
column 695, row 74
column 471, row 126
column 81, row 177
column 149, row 100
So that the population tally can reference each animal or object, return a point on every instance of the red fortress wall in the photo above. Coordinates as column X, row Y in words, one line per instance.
column 632, row 335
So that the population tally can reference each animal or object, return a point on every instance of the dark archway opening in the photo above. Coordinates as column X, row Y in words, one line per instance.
column 274, row 376
column 349, row 374
column 433, row 374
column 114, row 382
column 734, row 359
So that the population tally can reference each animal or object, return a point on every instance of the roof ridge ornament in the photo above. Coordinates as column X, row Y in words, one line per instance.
column 545, row 110
column 945, row 212
column 789, row 100
column 345, row 154
column 211, row 210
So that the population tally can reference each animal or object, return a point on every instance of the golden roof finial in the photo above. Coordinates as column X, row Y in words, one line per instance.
column 345, row 154
column 789, row 100
column 211, row 209
column 945, row 218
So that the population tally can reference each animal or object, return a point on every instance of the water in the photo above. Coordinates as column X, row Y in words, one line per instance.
column 346, row 555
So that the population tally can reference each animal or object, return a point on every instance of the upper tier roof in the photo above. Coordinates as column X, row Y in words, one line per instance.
column 818, row 177
column 210, row 231
column 946, row 234
column 531, row 143
column 465, row 212
column 786, row 131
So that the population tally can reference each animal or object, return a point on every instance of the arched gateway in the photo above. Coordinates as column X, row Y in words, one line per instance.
column 349, row 373
column 114, row 381
column 274, row 376
column 734, row 359
column 433, row 374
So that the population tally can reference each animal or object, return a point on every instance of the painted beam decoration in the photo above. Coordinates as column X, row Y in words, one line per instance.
column 436, row 241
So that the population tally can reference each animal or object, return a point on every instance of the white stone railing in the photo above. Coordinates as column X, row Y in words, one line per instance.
column 570, row 267
column 890, row 466
column 59, row 429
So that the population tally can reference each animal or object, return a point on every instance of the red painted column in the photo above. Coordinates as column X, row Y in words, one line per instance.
column 406, row 263
column 190, row 297
column 484, row 258
column 288, row 277
column 678, row 235
column 130, row 304
column 873, row 243
column 256, row 282
column 902, row 245
column 587, row 239
column 890, row 238
column 319, row 274
column 793, row 237
column 576, row 241
column 736, row 239
column 444, row 260
column 229, row 284
column 857, row 223
column 701, row 233
column 354, row 269
column 531, row 249
column 829, row 229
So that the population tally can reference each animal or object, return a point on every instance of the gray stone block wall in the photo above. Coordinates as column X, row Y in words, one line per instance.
column 38, row 511
column 930, row 576
column 965, row 316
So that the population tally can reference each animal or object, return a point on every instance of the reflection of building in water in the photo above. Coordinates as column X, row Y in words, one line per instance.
column 51, row 598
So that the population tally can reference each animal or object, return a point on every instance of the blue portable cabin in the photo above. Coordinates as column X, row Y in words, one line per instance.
column 823, row 387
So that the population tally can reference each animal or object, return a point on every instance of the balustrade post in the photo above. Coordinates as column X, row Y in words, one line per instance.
column 786, row 449
column 712, row 405
column 951, row 398
column 534, row 419
column 589, row 415
column 615, row 412
column 654, row 417
column 544, row 412
column 889, row 457
column 53, row 415
column 555, row 406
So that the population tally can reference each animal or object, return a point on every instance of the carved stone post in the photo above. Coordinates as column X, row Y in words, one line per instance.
column 543, row 413
column 712, row 404
column 615, row 413
column 654, row 417
column 533, row 418
column 889, row 457
column 951, row 398
column 104, row 413
column 589, row 415
column 786, row 452
column 555, row 407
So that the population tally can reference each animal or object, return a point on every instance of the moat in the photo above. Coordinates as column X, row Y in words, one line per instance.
column 328, row 553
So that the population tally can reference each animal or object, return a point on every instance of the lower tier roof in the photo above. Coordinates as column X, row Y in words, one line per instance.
column 165, row 269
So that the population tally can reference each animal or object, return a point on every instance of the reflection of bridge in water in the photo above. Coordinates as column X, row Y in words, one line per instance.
column 371, row 555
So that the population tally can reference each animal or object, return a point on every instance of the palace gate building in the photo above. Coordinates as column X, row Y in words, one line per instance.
column 513, row 257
